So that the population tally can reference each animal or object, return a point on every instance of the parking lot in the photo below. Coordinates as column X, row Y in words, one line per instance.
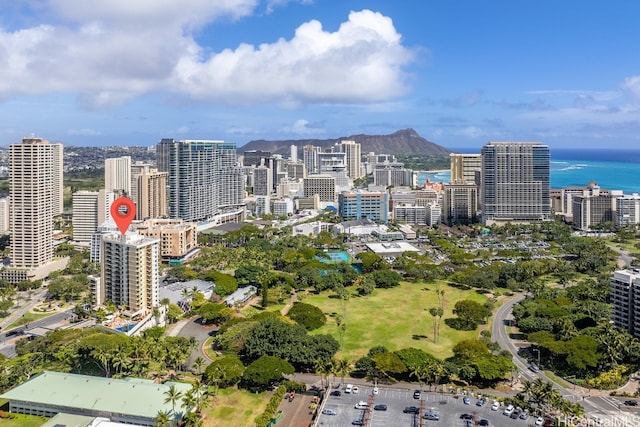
column 447, row 407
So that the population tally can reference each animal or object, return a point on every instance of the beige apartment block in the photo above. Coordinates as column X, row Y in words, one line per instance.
column 178, row 239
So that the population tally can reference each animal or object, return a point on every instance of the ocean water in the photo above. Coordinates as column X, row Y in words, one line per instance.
column 611, row 169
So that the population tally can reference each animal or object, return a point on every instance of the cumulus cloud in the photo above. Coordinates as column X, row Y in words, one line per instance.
column 304, row 127
column 109, row 52
column 631, row 85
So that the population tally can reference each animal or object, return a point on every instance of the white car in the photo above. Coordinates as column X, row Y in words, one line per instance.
column 508, row 410
column 355, row 390
column 348, row 388
column 375, row 390
column 539, row 421
column 361, row 405
column 495, row 406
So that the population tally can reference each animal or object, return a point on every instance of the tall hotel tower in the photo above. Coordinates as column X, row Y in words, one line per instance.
column 33, row 191
column 515, row 182
column 148, row 191
column 354, row 159
column 203, row 177
column 129, row 272
column 117, row 174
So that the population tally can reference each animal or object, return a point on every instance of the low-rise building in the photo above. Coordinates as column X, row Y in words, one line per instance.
column 129, row 400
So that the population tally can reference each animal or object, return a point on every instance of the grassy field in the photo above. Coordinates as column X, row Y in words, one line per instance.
column 23, row 421
column 233, row 408
column 395, row 318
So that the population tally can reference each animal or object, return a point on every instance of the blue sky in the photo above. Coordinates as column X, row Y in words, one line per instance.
column 461, row 73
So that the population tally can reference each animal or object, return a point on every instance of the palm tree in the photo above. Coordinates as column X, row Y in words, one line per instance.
column 420, row 372
column 173, row 396
column 198, row 364
column 321, row 367
column 163, row 419
column 189, row 401
column 343, row 367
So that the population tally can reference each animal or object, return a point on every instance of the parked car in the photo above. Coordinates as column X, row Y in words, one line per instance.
column 416, row 394
column 539, row 421
column 430, row 415
column 375, row 390
column 533, row 367
column 481, row 401
column 329, row 411
column 466, row 400
column 361, row 405
column 508, row 410
column 515, row 414
column 336, row 393
column 357, row 423
column 348, row 388
column 631, row 402
column 524, row 415
column 380, row 407
column 495, row 406
column 355, row 390
column 411, row 410
column 483, row 422
column 466, row 416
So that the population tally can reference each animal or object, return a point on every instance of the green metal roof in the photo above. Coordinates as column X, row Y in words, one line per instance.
column 69, row 420
column 133, row 396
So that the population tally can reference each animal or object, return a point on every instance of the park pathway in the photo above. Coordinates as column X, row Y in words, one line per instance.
column 288, row 305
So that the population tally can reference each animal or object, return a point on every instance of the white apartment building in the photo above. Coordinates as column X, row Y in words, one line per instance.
column 4, row 215
column 85, row 215
column 628, row 210
column 117, row 174
column 353, row 158
column 130, row 272
column 625, row 300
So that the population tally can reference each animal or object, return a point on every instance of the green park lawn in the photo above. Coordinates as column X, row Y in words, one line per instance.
column 395, row 318
column 232, row 407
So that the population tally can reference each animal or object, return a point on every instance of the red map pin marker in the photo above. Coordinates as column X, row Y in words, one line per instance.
column 123, row 210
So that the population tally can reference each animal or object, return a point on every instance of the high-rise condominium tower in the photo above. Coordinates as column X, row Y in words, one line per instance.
column 148, row 191
column 465, row 168
column 117, row 174
column 354, row 159
column 58, row 184
column 129, row 271
column 203, row 177
column 33, row 189
column 515, row 182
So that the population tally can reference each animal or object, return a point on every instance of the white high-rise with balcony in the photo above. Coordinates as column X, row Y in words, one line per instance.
column 130, row 272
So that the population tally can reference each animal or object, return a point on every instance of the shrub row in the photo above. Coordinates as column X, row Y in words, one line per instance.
column 264, row 419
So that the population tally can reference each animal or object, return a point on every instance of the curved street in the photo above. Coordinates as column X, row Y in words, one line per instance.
column 595, row 402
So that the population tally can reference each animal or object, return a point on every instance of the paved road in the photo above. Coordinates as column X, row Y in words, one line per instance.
column 56, row 320
column 191, row 328
column 603, row 406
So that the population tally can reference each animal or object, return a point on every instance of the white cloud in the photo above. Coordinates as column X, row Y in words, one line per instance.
column 108, row 52
column 361, row 62
column 632, row 86
column 303, row 127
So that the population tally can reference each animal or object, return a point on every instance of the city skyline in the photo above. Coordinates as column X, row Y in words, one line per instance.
column 460, row 73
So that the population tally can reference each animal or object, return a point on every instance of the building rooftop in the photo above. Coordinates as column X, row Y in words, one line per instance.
column 132, row 396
